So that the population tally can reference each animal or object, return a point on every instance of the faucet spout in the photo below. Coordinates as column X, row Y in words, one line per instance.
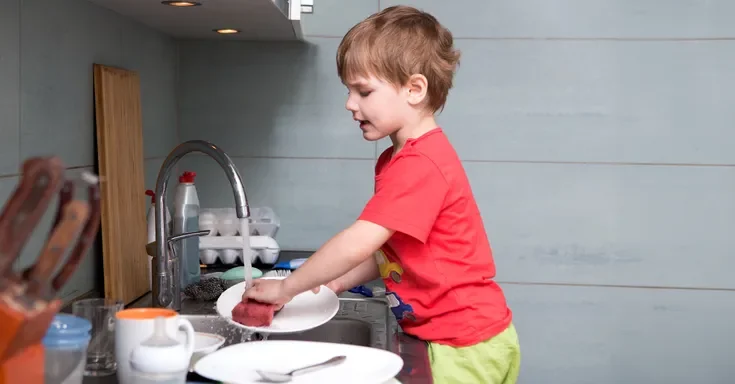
column 166, row 289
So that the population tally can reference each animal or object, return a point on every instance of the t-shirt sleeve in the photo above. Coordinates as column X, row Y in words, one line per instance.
column 409, row 196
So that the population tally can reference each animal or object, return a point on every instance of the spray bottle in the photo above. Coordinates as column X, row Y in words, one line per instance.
column 186, row 219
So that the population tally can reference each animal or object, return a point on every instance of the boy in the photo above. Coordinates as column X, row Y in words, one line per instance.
column 422, row 224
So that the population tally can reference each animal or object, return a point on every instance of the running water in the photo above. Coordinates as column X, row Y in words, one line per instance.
column 247, row 259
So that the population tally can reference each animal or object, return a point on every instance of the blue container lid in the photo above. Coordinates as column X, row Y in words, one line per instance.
column 67, row 331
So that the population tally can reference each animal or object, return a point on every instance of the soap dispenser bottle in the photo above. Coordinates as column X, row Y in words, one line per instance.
column 186, row 219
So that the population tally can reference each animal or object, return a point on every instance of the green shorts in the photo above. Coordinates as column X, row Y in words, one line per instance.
column 493, row 361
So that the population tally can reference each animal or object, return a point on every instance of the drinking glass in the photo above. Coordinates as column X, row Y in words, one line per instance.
column 101, row 350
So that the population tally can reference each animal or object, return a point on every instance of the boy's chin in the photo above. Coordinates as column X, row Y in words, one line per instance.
column 373, row 136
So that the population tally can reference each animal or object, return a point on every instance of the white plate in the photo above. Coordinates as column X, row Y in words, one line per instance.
column 237, row 363
column 306, row 311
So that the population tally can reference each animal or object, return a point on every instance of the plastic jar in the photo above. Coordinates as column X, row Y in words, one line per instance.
column 65, row 349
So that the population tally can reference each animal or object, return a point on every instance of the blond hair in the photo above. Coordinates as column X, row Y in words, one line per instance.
column 395, row 44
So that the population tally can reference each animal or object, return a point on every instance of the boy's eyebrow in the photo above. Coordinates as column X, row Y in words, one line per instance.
column 357, row 83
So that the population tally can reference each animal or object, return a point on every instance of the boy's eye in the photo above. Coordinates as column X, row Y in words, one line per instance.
column 361, row 93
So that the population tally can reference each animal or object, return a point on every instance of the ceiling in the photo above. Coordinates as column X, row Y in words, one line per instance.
column 256, row 19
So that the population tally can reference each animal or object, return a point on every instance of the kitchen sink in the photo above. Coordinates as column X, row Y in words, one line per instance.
column 345, row 331
column 360, row 321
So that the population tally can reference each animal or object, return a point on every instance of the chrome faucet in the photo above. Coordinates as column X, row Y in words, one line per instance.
column 167, row 288
column 173, row 268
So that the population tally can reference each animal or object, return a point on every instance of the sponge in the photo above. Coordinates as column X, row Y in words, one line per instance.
column 237, row 273
column 253, row 313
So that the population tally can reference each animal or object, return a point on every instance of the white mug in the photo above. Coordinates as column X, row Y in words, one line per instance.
column 136, row 325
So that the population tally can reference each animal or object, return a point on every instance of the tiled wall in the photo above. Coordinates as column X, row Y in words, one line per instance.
column 47, row 49
column 597, row 137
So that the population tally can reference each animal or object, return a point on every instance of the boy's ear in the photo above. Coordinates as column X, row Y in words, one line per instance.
column 417, row 87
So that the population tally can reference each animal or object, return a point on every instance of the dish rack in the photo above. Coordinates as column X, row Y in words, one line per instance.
column 225, row 241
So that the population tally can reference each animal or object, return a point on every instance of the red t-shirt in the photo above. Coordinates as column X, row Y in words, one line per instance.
column 438, row 267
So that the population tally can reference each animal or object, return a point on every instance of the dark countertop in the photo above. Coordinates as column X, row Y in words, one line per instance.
column 413, row 351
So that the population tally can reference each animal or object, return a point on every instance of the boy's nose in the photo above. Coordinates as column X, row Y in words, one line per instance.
column 351, row 105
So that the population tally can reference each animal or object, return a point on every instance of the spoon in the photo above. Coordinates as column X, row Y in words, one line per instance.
column 275, row 377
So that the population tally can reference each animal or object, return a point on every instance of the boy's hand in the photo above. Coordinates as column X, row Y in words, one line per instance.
column 269, row 291
column 334, row 285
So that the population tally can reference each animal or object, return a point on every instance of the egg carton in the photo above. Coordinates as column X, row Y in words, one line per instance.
column 229, row 249
column 232, row 256
column 225, row 241
column 263, row 221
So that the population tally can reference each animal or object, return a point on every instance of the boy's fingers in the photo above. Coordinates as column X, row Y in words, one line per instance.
column 249, row 290
column 334, row 286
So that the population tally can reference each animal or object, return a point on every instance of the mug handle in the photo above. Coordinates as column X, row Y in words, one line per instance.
column 186, row 326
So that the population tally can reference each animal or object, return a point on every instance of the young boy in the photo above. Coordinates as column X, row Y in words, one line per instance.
column 421, row 231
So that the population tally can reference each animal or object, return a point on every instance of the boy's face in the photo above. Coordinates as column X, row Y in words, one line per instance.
column 378, row 106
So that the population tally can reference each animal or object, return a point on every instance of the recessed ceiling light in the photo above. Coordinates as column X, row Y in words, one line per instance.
column 181, row 3
column 227, row 31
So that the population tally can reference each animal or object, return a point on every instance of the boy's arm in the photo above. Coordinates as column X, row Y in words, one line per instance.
column 409, row 201
column 361, row 274
column 338, row 256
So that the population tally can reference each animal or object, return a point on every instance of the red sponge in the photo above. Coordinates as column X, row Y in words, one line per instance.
column 253, row 313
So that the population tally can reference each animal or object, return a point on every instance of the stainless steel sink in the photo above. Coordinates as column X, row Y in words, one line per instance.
column 360, row 321
column 345, row 331
column 363, row 322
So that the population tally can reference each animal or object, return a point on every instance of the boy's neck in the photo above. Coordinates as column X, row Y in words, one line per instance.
column 412, row 131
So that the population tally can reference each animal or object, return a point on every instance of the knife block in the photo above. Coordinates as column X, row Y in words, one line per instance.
column 22, row 355
column 26, row 367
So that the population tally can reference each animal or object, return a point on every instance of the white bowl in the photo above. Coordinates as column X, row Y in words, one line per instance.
column 204, row 344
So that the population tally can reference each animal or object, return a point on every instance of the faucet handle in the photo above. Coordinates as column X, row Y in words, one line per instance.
column 181, row 236
column 150, row 248
column 187, row 235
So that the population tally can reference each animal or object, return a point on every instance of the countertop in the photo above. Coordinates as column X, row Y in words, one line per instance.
column 414, row 353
